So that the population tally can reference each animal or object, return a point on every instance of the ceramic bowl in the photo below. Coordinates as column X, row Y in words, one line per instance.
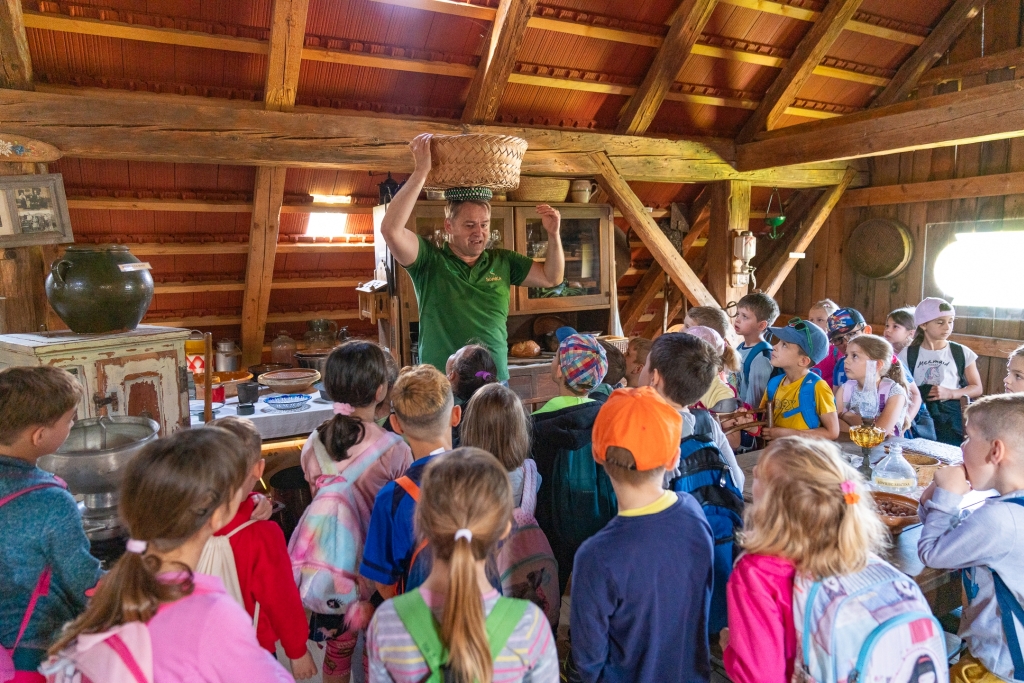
column 197, row 406
column 319, row 386
column 287, row 401
column 897, row 523
column 258, row 370
column 294, row 381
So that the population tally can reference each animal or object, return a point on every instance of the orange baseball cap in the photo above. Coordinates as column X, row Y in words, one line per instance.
column 643, row 423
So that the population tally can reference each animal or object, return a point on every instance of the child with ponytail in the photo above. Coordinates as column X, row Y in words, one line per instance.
column 871, row 373
column 455, row 627
column 346, row 461
column 175, row 494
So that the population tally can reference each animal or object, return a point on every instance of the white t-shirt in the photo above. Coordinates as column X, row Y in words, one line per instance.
column 937, row 367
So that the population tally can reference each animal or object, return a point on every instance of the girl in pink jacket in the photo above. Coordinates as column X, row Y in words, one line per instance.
column 811, row 514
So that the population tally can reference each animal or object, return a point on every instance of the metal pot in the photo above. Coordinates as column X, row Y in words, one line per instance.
column 99, row 288
column 313, row 361
column 93, row 458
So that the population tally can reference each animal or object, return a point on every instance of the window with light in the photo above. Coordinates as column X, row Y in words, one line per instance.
column 984, row 269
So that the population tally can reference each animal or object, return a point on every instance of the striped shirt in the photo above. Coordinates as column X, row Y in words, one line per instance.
column 528, row 656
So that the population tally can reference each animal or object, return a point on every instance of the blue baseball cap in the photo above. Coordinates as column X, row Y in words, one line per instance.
column 845, row 321
column 563, row 333
column 808, row 336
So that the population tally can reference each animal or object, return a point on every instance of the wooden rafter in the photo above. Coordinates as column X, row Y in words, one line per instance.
column 936, row 190
column 952, row 24
column 15, row 62
column 730, row 214
column 661, row 248
column 973, row 67
column 686, row 27
column 259, row 269
column 808, row 55
column 287, row 31
column 987, row 112
column 507, row 33
column 779, row 270
column 122, row 125
column 643, row 295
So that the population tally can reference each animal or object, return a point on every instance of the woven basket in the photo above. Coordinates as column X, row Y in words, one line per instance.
column 879, row 248
column 475, row 160
column 540, row 190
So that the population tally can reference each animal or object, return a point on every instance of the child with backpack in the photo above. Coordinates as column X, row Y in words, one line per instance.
column 153, row 617
column 496, row 422
column 346, row 460
column 251, row 558
column 820, row 312
column 425, row 412
column 1013, row 383
column 802, row 403
column 987, row 543
column 885, row 399
column 455, row 626
column 718, row 320
column 576, row 499
column 944, row 370
column 469, row 369
column 754, row 314
column 899, row 328
column 44, row 553
column 720, row 397
column 642, row 586
column 679, row 367
column 810, row 595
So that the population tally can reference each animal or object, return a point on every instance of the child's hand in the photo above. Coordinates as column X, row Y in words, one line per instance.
column 770, row 433
column 927, row 494
column 953, row 479
column 263, row 509
column 940, row 393
column 304, row 667
column 723, row 638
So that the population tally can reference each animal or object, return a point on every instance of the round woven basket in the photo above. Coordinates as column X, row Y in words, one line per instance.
column 540, row 190
column 879, row 248
column 475, row 160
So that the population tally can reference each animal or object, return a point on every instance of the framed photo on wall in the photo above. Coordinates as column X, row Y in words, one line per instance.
column 33, row 210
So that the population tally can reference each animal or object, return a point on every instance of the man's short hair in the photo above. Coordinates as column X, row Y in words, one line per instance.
column 451, row 210
column 687, row 365
column 249, row 439
column 761, row 305
column 34, row 397
column 1000, row 416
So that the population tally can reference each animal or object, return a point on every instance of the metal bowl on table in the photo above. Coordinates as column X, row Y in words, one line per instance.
column 313, row 360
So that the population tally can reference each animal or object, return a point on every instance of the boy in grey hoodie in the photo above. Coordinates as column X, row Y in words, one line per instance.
column 988, row 543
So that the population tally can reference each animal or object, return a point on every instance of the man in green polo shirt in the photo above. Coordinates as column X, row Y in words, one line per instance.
column 463, row 288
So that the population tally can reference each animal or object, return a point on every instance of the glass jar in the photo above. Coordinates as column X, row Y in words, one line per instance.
column 282, row 349
column 893, row 474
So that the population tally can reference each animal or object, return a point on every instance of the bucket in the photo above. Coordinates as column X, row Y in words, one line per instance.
column 289, row 486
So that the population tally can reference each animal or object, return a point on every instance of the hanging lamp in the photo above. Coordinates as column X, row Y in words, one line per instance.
column 774, row 222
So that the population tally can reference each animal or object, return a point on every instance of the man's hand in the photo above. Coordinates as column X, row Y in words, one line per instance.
column 420, row 147
column 303, row 667
column 549, row 218
column 953, row 479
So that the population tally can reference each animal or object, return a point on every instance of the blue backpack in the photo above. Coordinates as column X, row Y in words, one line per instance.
column 761, row 348
column 1010, row 611
column 807, row 405
column 704, row 474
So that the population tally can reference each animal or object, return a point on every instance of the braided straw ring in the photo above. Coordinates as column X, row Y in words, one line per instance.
column 475, row 160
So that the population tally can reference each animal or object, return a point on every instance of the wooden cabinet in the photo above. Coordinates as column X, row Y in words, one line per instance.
column 138, row 373
column 587, row 237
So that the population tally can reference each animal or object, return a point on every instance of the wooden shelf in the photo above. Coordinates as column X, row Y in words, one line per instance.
column 185, row 249
column 239, row 286
column 202, row 205
column 221, row 320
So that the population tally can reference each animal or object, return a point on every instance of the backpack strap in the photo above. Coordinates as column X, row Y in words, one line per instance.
column 703, row 422
column 529, row 503
column 773, row 386
column 118, row 646
column 761, row 348
column 240, row 527
column 960, row 360
column 502, row 621
column 913, row 351
column 410, row 487
column 1010, row 611
column 806, row 404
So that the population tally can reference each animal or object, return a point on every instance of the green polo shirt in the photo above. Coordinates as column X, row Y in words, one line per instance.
column 459, row 303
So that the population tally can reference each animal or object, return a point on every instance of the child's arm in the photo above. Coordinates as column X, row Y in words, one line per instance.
column 757, row 638
column 915, row 400
column 74, row 569
column 972, row 390
column 829, row 429
column 892, row 411
column 955, row 539
column 273, row 587
column 847, row 418
column 592, row 606
column 757, row 382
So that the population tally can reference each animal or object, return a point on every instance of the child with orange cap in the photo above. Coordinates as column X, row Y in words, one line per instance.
column 642, row 585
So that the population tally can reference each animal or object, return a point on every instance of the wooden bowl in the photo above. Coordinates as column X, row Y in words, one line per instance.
column 295, row 381
column 229, row 379
column 924, row 465
column 897, row 523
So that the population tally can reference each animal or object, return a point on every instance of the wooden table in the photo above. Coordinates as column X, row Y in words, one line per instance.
column 941, row 587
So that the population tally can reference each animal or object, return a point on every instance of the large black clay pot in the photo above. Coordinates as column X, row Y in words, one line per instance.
column 92, row 293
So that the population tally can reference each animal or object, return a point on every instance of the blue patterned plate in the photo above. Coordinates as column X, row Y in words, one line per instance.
column 287, row 401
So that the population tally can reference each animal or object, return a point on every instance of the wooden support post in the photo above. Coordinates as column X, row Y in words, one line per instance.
column 644, row 293
column 778, row 271
column 287, row 33
column 800, row 67
column 498, row 60
column 661, row 248
column 952, row 24
column 259, row 270
column 15, row 62
column 730, row 215
column 687, row 24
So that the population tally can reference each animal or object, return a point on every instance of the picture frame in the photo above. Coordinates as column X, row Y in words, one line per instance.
column 34, row 211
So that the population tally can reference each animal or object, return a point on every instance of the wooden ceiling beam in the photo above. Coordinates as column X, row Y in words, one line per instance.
column 987, row 112
column 287, row 35
column 647, row 229
column 779, row 271
column 952, row 24
column 195, row 248
column 507, row 33
column 685, row 29
column 936, row 190
column 973, row 67
column 259, row 269
column 15, row 61
column 642, row 297
column 800, row 67
column 730, row 215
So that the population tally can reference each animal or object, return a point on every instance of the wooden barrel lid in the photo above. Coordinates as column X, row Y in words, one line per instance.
column 879, row 248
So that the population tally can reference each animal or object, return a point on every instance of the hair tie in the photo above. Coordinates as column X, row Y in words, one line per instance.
column 464, row 533
column 345, row 409
column 484, row 375
column 137, row 547
column 850, row 494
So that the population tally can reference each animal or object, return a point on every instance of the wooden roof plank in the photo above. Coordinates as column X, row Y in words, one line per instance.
column 506, row 37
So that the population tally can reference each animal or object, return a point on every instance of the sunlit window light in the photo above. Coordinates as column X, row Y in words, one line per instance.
column 326, row 224
column 332, row 199
column 983, row 269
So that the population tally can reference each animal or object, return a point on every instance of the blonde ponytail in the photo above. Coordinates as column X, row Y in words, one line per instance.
column 465, row 508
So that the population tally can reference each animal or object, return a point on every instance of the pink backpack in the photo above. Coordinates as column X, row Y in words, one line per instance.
column 42, row 588
column 526, row 564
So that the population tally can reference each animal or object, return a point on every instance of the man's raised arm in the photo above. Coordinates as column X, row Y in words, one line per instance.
column 402, row 242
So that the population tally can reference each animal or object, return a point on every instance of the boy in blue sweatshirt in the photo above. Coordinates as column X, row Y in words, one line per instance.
column 641, row 586
column 40, row 528
column 988, row 542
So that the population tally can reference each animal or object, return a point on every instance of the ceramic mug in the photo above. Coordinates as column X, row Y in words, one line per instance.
column 580, row 190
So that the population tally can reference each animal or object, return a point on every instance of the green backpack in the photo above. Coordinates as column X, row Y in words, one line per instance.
column 420, row 623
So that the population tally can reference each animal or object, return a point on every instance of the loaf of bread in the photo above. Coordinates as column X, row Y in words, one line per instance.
column 525, row 349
